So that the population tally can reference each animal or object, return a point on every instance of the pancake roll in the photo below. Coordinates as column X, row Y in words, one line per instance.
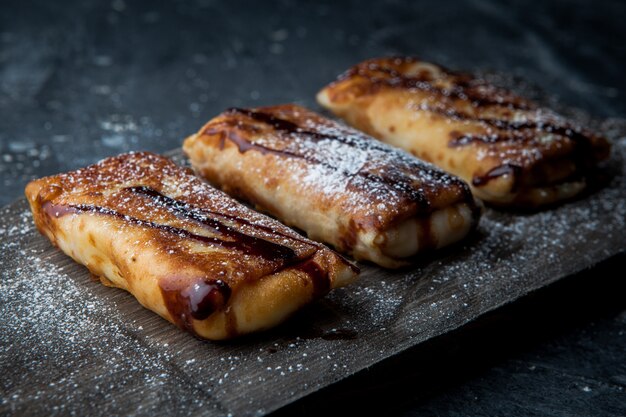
column 338, row 185
column 511, row 151
column 184, row 249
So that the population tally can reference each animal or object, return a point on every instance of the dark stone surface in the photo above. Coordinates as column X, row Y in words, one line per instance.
column 89, row 79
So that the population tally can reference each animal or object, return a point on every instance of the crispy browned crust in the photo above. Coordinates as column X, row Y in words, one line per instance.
column 329, row 180
column 184, row 249
column 509, row 149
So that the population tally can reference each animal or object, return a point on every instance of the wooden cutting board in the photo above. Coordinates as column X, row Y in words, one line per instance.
column 70, row 345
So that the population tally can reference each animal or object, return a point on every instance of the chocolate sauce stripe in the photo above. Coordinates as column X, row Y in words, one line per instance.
column 255, row 246
column 497, row 172
column 360, row 142
column 245, row 145
column 186, row 211
column 197, row 301
column 461, row 90
column 396, row 185
column 509, row 126
column 407, row 188
column 515, row 171
column 513, row 132
column 204, row 297
column 468, row 139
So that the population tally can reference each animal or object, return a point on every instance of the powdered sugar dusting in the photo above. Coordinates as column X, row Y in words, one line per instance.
column 79, row 343
column 358, row 153
column 341, row 166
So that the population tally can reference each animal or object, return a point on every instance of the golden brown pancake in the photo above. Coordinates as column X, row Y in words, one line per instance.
column 512, row 151
column 185, row 250
column 340, row 186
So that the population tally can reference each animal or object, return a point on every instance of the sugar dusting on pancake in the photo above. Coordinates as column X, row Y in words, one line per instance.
column 342, row 164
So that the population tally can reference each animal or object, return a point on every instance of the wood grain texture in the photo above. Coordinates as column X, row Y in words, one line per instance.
column 70, row 345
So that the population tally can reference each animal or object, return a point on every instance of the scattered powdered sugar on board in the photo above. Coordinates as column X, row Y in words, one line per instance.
column 70, row 346
column 77, row 342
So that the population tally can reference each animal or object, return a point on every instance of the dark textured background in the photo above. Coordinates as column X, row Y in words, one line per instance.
column 81, row 80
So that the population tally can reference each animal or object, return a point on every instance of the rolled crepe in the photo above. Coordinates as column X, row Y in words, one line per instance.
column 341, row 187
column 185, row 250
column 511, row 151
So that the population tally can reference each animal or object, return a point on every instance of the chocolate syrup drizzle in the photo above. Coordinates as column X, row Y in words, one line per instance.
column 516, row 128
column 241, row 242
column 465, row 88
column 518, row 132
column 394, row 180
column 246, row 243
column 290, row 127
column 497, row 172
column 198, row 301
column 201, row 213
